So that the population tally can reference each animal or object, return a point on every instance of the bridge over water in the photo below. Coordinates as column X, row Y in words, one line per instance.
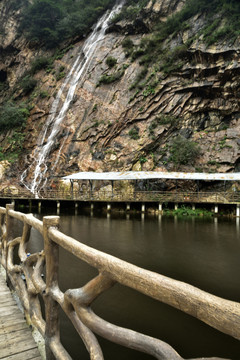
column 141, row 200
column 25, row 276
column 132, row 198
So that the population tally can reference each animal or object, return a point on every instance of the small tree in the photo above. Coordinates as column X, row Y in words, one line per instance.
column 184, row 151
column 12, row 116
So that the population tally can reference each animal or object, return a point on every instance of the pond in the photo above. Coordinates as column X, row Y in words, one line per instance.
column 203, row 252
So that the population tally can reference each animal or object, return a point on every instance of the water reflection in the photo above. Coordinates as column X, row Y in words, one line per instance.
column 216, row 227
column 237, row 225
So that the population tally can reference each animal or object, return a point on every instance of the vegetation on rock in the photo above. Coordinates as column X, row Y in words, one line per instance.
column 27, row 84
column 110, row 78
column 111, row 61
column 13, row 118
column 131, row 10
column 49, row 22
column 40, row 63
column 134, row 133
column 187, row 211
column 12, row 115
column 183, row 151
column 154, row 49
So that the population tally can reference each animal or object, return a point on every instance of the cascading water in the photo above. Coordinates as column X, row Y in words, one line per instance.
column 57, row 113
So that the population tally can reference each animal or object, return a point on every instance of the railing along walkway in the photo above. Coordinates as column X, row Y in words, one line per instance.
column 137, row 196
column 222, row 314
column 16, row 341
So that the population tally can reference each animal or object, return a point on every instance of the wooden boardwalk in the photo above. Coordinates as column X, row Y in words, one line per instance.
column 16, row 341
column 125, row 197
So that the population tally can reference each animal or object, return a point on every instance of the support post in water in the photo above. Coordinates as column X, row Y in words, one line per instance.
column 51, row 306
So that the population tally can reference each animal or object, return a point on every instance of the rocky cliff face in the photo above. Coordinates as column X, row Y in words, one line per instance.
column 112, row 125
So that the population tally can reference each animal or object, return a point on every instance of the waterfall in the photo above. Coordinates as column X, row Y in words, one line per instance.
column 57, row 112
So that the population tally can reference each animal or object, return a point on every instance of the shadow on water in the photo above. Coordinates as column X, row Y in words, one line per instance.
column 203, row 252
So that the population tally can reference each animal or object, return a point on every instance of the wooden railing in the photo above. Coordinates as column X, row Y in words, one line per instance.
column 138, row 196
column 26, row 279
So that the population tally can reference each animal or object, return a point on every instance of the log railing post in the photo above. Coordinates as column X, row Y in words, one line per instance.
column 8, row 237
column 51, row 250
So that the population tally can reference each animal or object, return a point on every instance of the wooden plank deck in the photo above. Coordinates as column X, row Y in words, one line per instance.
column 16, row 341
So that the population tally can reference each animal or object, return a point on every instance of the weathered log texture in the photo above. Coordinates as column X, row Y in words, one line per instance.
column 26, row 278
column 219, row 313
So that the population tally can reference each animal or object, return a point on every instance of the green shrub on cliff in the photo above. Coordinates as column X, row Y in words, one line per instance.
column 12, row 116
column 40, row 63
column 111, row 61
column 183, row 151
column 131, row 10
column 110, row 78
column 27, row 84
column 134, row 133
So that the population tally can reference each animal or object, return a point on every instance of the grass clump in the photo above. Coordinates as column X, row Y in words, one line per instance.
column 188, row 211
column 134, row 133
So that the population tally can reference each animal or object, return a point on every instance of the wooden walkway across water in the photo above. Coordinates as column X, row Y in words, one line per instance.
column 16, row 341
column 131, row 201
column 117, row 196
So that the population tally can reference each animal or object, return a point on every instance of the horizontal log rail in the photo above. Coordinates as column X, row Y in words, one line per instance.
column 137, row 196
column 26, row 279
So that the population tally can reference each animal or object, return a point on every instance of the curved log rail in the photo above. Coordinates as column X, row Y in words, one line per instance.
column 137, row 196
column 26, row 279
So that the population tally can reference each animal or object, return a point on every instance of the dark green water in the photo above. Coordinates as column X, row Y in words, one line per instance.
column 204, row 252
